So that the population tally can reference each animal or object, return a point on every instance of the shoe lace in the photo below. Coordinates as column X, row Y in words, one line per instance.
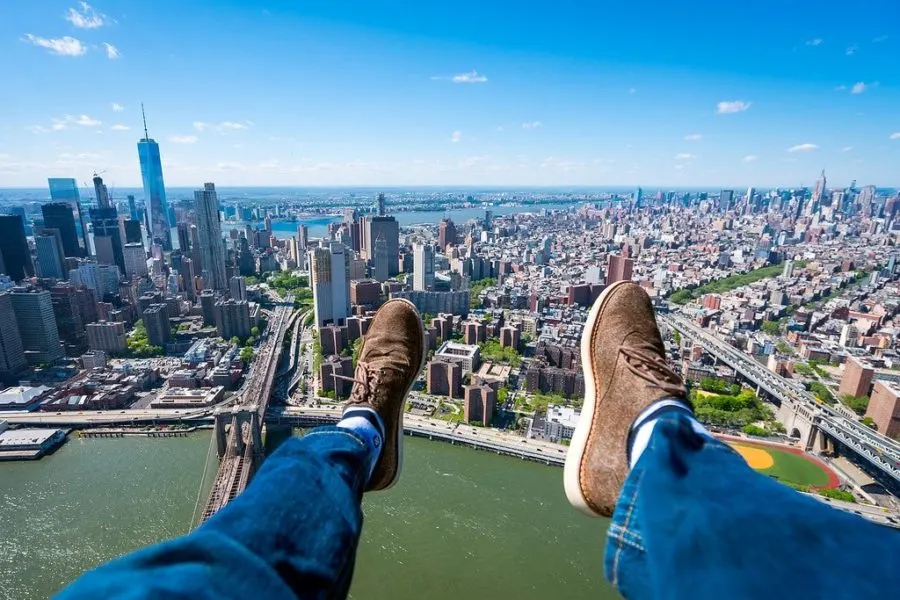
column 367, row 381
column 645, row 362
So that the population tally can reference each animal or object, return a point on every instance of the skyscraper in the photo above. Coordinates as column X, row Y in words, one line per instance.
column 238, row 288
column 48, row 254
column 819, row 190
column 132, row 208
column 69, row 324
column 209, row 230
column 37, row 325
column 101, row 192
column 61, row 217
column 133, row 232
column 423, row 268
column 302, row 237
column 107, row 234
column 446, row 234
column 14, row 248
column 157, row 208
column 726, row 199
column 390, row 230
column 330, row 267
column 65, row 190
column 135, row 261
column 381, row 212
column 12, row 356
column 381, row 263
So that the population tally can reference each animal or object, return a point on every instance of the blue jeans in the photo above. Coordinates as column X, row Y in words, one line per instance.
column 695, row 521
column 291, row 534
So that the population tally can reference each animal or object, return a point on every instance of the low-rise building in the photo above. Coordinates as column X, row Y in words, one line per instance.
column 560, row 422
column 176, row 397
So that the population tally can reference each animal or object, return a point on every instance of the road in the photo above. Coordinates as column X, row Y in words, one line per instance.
column 881, row 452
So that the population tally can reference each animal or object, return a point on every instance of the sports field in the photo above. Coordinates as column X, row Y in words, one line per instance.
column 786, row 464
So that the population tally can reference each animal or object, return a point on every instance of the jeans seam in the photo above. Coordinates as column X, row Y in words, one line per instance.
column 626, row 536
column 620, row 538
column 339, row 432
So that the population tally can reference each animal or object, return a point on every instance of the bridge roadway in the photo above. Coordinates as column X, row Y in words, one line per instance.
column 244, row 451
column 879, row 451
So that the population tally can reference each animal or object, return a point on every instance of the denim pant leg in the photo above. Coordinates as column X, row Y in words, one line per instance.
column 695, row 521
column 302, row 512
column 292, row 534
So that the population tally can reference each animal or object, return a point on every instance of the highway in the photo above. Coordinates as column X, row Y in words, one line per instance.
column 881, row 452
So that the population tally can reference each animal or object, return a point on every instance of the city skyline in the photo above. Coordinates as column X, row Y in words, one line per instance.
column 361, row 95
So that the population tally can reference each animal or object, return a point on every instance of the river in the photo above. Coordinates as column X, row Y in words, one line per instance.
column 318, row 226
column 461, row 523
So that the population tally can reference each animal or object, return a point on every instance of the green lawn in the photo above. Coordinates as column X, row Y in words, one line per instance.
column 795, row 469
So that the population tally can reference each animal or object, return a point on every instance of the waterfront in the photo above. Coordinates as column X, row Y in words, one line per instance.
column 461, row 522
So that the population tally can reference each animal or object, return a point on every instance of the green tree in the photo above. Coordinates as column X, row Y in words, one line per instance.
column 254, row 331
column 235, row 341
column 770, row 327
column 502, row 395
column 821, row 392
column 869, row 422
column 857, row 404
column 754, row 430
column 246, row 354
column 784, row 348
column 676, row 336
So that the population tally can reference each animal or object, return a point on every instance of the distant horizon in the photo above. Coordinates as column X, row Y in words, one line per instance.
column 599, row 188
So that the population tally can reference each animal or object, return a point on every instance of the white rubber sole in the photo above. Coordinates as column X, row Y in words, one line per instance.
column 405, row 394
column 578, row 444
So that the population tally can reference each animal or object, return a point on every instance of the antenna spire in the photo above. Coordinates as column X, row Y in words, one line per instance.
column 144, row 115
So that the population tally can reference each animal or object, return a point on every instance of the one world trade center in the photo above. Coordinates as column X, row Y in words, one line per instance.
column 157, row 210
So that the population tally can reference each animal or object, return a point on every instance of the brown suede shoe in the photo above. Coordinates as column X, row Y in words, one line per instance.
column 625, row 371
column 391, row 357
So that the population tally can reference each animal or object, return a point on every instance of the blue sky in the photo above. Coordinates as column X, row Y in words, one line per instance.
column 460, row 93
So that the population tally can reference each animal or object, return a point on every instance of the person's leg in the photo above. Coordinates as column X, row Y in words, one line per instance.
column 694, row 520
column 293, row 533
column 689, row 517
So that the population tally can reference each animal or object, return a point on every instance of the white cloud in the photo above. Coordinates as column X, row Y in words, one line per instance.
column 498, row 128
column 183, row 139
column 693, row 137
column 222, row 127
column 64, row 46
column 879, row 39
column 858, row 87
column 685, row 156
column 733, row 106
column 679, row 167
column 117, row 107
column 840, row 88
column 894, row 136
column 60, row 124
column 532, row 125
column 803, row 148
column 120, row 127
column 38, row 129
column 457, row 135
column 750, row 158
column 472, row 76
column 86, row 18
column 632, row 90
column 846, row 148
column 851, row 51
column 112, row 53
column 815, row 42
column 84, row 121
